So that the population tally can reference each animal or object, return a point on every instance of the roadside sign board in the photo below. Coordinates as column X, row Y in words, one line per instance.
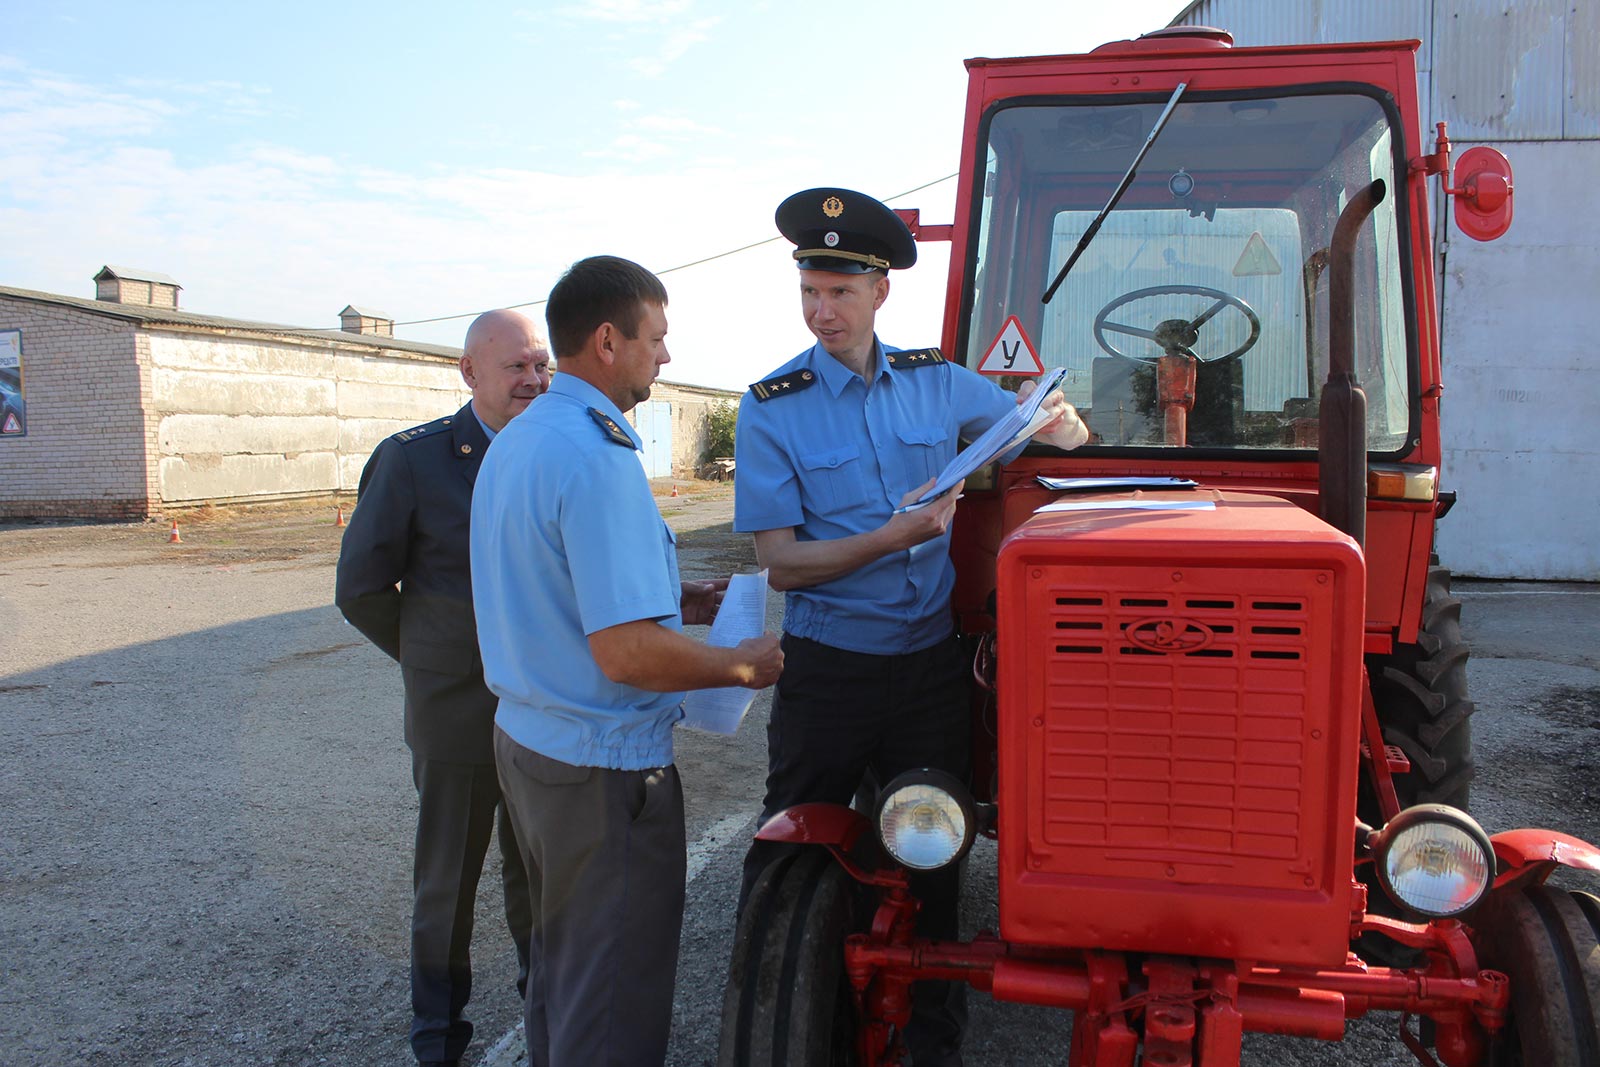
column 13, row 405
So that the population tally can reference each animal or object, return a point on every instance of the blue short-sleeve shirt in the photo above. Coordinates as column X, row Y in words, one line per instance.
column 567, row 541
column 834, row 459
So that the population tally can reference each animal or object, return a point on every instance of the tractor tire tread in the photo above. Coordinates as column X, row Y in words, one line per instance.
column 1420, row 690
column 783, row 980
column 1547, row 942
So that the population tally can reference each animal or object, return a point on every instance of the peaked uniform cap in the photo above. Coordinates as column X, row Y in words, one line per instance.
column 846, row 232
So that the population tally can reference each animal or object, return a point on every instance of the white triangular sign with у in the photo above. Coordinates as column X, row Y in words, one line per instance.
column 12, row 425
column 1256, row 259
column 1011, row 352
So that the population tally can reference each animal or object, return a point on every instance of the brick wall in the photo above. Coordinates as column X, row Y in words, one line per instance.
column 85, row 450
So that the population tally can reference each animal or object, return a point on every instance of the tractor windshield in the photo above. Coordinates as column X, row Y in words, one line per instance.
column 1218, row 250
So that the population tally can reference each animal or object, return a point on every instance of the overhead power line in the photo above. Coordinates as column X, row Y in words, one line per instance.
column 669, row 270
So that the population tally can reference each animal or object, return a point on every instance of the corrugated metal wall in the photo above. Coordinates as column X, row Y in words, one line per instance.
column 1524, row 76
column 1501, row 71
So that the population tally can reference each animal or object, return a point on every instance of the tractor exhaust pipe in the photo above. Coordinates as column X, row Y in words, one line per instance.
column 1342, row 416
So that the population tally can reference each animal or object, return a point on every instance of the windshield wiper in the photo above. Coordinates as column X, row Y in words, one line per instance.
column 1122, row 187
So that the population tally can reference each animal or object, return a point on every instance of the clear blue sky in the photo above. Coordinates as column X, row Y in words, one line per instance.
column 282, row 162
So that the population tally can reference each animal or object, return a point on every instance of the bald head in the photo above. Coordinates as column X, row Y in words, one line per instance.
column 505, row 363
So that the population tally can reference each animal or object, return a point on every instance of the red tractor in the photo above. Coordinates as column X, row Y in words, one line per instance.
column 1225, row 737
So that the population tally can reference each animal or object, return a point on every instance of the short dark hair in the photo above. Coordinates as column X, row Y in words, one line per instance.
column 598, row 290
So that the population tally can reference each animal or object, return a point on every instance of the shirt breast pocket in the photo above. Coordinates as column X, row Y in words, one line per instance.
column 923, row 453
column 832, row 478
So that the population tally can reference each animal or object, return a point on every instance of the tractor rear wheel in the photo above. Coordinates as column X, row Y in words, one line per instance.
column 788, row 1000
column 1421, row 694
column 1547, row 940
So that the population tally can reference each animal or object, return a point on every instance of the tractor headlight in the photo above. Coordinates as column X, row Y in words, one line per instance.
column 1434, row 860
column 925, row 819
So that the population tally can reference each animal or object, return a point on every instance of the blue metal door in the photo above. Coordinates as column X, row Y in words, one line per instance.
column 653, row 420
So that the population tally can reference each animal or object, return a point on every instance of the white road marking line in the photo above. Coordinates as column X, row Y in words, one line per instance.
column 511, row 1050
column 710, row 843
column 506, row 1052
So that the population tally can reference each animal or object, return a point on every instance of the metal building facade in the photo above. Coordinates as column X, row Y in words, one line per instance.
column 1522, row 76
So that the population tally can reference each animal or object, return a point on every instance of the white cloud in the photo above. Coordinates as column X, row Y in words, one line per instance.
column 290, row 159
column 674, row 124
column 220, row 95
column 630, row 11
column 630, row 148
column 648, row 138
column 43, row 110
column 673, row 48
column 660, row 31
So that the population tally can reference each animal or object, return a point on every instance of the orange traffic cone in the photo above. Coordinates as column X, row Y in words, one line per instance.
column 338, row 516
column 173, row 538
column 674, row 490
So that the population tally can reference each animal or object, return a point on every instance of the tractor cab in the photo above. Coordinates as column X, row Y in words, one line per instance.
column 1158, row 217
column 1216, row 259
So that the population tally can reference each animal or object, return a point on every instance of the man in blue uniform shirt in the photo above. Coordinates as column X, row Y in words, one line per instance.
column 402, row 581
column 828, row 446
column 575, row 578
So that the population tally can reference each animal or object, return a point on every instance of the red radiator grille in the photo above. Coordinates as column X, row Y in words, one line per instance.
column 1176, row 725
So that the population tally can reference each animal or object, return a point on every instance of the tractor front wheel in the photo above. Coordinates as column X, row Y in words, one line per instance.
column 788, row 1001
column 1547, row 941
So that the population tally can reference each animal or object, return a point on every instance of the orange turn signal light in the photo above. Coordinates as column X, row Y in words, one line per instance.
column 1402, row 481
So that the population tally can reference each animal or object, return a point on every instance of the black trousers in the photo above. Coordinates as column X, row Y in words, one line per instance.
column 837, row 714
column 458, row 807
column 607, row 852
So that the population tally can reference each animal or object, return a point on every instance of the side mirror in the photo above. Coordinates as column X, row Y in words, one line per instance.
column 1483, row 193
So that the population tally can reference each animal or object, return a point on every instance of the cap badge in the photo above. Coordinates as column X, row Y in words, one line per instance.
column 831, row 239
column 833, row 207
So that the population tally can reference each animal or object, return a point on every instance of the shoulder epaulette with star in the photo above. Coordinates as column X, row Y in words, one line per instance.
column 614, row 433
column 782, row 384
column 427, row 429
column 914, row 358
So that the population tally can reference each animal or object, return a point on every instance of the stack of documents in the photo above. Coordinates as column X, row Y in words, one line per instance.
column 1013, row 428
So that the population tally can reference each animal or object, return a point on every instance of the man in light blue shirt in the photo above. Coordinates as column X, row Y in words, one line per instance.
column 580, row 618
column 828, row 446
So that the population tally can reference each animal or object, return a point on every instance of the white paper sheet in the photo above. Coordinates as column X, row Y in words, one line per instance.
column 1135, row 504
column 743, row 614
column 1083, row 485
column 1014, row 427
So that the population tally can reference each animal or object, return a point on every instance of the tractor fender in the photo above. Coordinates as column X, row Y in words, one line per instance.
column 815, row 824
column 1528, row 856
column 838, row 829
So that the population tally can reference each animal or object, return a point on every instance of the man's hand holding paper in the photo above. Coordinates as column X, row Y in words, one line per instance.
column 1065, row 430
column 1046, row 417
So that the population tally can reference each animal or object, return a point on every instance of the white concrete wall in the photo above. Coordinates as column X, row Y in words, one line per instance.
column 240, row 417
column 1522, row 377
column 383, row 394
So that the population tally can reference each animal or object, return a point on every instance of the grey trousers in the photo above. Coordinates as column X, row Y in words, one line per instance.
column 458, row 806
column 605, row 854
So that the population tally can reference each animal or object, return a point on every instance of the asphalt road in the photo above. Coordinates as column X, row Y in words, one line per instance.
column 206, row 808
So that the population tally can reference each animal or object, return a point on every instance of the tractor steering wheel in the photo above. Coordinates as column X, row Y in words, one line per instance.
column 1175, row 336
